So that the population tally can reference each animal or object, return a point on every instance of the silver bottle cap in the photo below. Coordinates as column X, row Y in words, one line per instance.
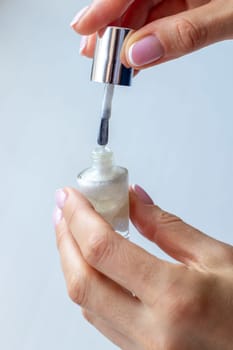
column 107, row 66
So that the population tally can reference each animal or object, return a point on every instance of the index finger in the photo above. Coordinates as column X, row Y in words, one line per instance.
column 117, row 258
column 99, row 14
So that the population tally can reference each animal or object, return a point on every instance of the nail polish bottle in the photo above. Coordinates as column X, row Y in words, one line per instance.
column 105, row 185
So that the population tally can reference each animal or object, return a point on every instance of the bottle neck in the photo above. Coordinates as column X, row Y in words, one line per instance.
column 102, row 158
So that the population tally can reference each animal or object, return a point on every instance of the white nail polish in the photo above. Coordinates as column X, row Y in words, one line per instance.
column 130, row 57
column 78, row 16
column 105, row 185
column 83, row 43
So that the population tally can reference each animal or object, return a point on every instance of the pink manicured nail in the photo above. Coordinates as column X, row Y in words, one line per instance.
column 83, row 43
column 78, row 16
column 145, row 51
column 60, row 197
column 142, row 195
column 57, row 216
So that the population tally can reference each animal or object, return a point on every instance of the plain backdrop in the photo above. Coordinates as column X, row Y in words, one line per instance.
column 172, row 130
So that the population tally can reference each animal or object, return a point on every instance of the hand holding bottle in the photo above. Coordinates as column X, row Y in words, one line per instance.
column 188, row 305
column 164, row 30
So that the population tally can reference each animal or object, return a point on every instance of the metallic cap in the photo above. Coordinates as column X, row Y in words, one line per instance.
column 107, row 66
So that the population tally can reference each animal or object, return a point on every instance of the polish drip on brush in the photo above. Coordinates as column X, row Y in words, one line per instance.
column 105, row 115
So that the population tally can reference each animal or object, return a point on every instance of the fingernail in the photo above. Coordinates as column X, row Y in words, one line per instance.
column 57, row 216
column 60, row 198
column 145, row 51
column 142, row 195
column 83, row 43
column 78, row 16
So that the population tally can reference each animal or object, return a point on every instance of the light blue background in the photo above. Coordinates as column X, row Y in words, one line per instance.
column 172, row 130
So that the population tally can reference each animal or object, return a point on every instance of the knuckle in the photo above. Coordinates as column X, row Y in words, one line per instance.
column 98, row 247
column 191, row 302
column 77, row 289
column 166, row 218
column 189, row 36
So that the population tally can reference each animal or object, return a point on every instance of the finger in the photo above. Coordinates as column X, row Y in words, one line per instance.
column 114, row 336
column 171, row 7
column 171, row 234
column 117, row 258
column 167, row 8
column 137, row 14
column 174, row 36
column 90, row 289
column 129, row 20
column 87, row 45
column 99, row 15
column 107, row 12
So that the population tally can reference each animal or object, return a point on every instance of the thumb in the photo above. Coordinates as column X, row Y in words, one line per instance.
column 172, row 235
column 174, row 36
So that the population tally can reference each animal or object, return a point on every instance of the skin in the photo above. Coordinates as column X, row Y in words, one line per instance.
column 181, row 26
column 137, row 300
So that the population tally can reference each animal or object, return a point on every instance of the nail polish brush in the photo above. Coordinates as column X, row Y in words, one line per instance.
column 108, row 69
column 105, row 115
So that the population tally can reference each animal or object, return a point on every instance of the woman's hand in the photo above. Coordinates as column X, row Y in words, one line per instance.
column 188, row 305
column 164, row 29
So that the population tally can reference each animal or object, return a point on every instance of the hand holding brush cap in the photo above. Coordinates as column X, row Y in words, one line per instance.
column 163, row 30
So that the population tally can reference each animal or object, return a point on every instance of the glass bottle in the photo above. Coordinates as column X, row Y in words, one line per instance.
column 105, row 185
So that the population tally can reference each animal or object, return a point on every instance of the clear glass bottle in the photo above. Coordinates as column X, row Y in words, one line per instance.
column 105, row 185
